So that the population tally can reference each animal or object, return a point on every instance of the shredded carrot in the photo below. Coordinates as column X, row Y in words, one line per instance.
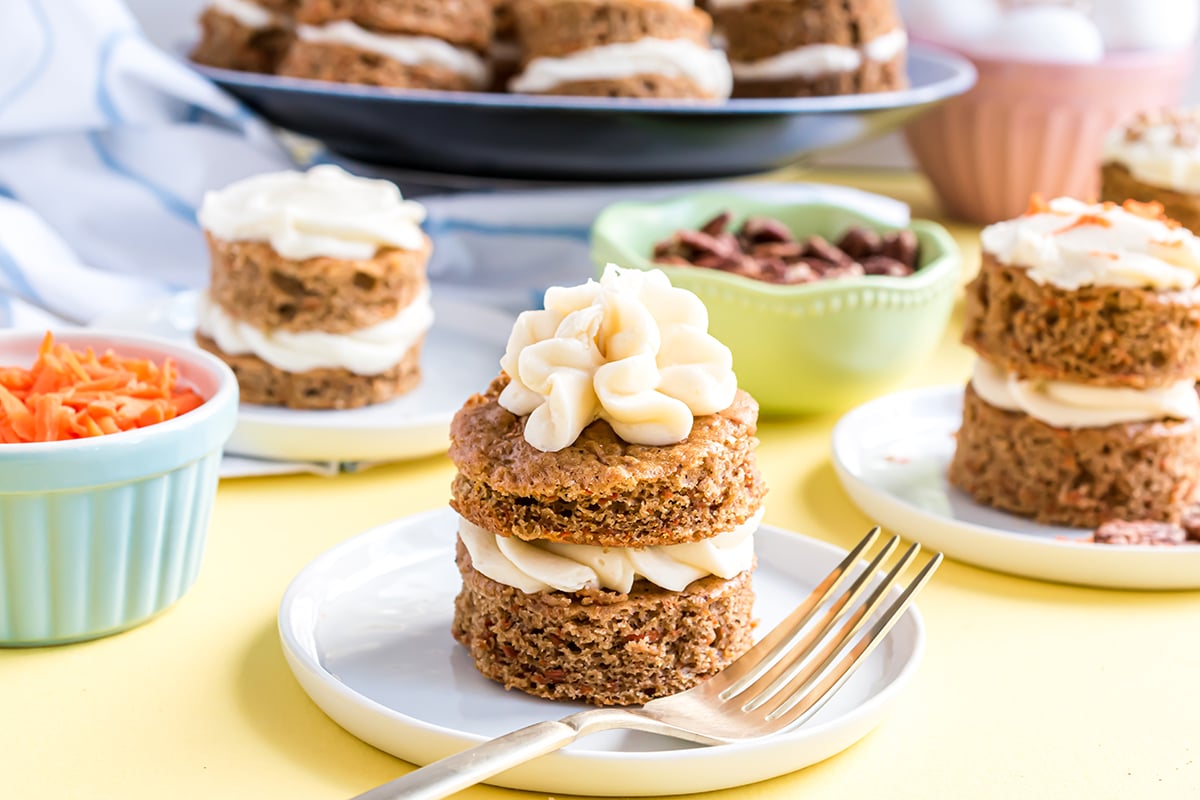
column 1037, row 205
column 1085, row 219
column 68, row 394
column 1152, row 210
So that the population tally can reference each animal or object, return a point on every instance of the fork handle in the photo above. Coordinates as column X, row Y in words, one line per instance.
column 457, row 772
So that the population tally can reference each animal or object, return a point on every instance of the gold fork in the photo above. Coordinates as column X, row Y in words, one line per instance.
column 776, row 685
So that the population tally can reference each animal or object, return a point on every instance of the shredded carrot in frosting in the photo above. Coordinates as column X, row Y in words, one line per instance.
column 1037, row 205
column 1152, row 210
column 1105, row 254
column 1084, row 220
column 68, row 394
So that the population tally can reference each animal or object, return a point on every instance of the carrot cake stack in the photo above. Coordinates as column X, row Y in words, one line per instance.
column 1083, row 404
column 318, row 297
column 1156, row 158
column 803, row 48
column 608, row 496
column 619, row 48
column 412, row 44
column 249, row 35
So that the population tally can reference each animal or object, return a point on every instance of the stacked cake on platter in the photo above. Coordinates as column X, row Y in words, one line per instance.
column 1083, row 405
column 608, row 497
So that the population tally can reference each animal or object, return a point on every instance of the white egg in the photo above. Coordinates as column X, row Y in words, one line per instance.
column 949, row 22
column 1042, row 33
column 1146, row 24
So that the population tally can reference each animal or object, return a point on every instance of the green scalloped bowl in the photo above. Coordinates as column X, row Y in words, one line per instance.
column 799, row 349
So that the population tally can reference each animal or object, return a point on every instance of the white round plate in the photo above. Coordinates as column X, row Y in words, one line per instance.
column 892, row 456
column 460, row 357
column 366, row 630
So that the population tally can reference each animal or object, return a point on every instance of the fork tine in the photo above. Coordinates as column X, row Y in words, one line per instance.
column 747, row 669
column 824, row 683
column 799, row 664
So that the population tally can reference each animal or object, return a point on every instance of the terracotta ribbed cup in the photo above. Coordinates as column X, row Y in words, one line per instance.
column 1036, row 127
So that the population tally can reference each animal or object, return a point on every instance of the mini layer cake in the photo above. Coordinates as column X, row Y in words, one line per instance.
column 243, row 35
column 802, row 48
column 318, row 296
column 608, row 497
column 619, row 48
column 1156, row 158
column 400, row 43
column 1083, row 405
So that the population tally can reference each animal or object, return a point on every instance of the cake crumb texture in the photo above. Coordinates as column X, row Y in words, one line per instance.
column 256, row 285
column 1099, row 335
column 602, row 647
column 261, row 383
column 1078, row 478
column 466, row 23
column 321, row 61
column 602, row 490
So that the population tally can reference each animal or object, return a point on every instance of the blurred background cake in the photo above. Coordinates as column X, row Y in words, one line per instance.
column 1155, row 157
column 608, row 496
column 1083, row 404
column 250, row 35
column 401, row 43
column 618, row 48
column 801, row 48
column 318, row 294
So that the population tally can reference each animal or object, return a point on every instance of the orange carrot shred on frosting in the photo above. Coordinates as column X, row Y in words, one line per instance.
column 1037, row 205
column 1111, row 256
column 1152, row 211
column 70, row 394
column 1084, row 220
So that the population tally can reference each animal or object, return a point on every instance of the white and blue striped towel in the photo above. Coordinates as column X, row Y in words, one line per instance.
column 108, row 143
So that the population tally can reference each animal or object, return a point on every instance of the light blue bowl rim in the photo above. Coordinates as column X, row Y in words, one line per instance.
column 127, row 455
column 940, row 266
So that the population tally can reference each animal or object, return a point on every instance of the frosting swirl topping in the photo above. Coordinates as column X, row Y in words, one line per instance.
column 630, row 349
column 541, row 566
column 1070, row 244
column 325, row 211
column 1074, row 405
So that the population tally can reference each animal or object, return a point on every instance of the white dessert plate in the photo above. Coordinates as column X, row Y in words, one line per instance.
column 892, row 456
column 460, row 357
column 366, row 630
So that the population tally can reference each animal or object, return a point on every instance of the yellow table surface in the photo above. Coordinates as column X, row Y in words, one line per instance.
column 1027, row 689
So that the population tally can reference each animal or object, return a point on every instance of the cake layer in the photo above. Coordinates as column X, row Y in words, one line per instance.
column 602, row 647
column 462, row 22
column 229, row 43
column 341, row 63
column 869, row 76
column 766, row 28
column 1101, row 335
column 1118, row 184
column 262, row 384
column 256, row 285
column 602, row 490
column 556, row 28
column 1080, row 477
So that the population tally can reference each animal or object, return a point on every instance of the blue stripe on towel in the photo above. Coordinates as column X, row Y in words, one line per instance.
column 176, row 205
column 439, row 227
column 43, row 59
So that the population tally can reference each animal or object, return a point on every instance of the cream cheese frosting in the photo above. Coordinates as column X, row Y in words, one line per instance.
column 1074, row 405
column 682, row 58
column 1070, row 244
column 325, row 211
column 630, row 349
column 813, row 60
column 367, row 351
column 248, row 14
column 410, row 50
column 1160, row 149
column 541, row 566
